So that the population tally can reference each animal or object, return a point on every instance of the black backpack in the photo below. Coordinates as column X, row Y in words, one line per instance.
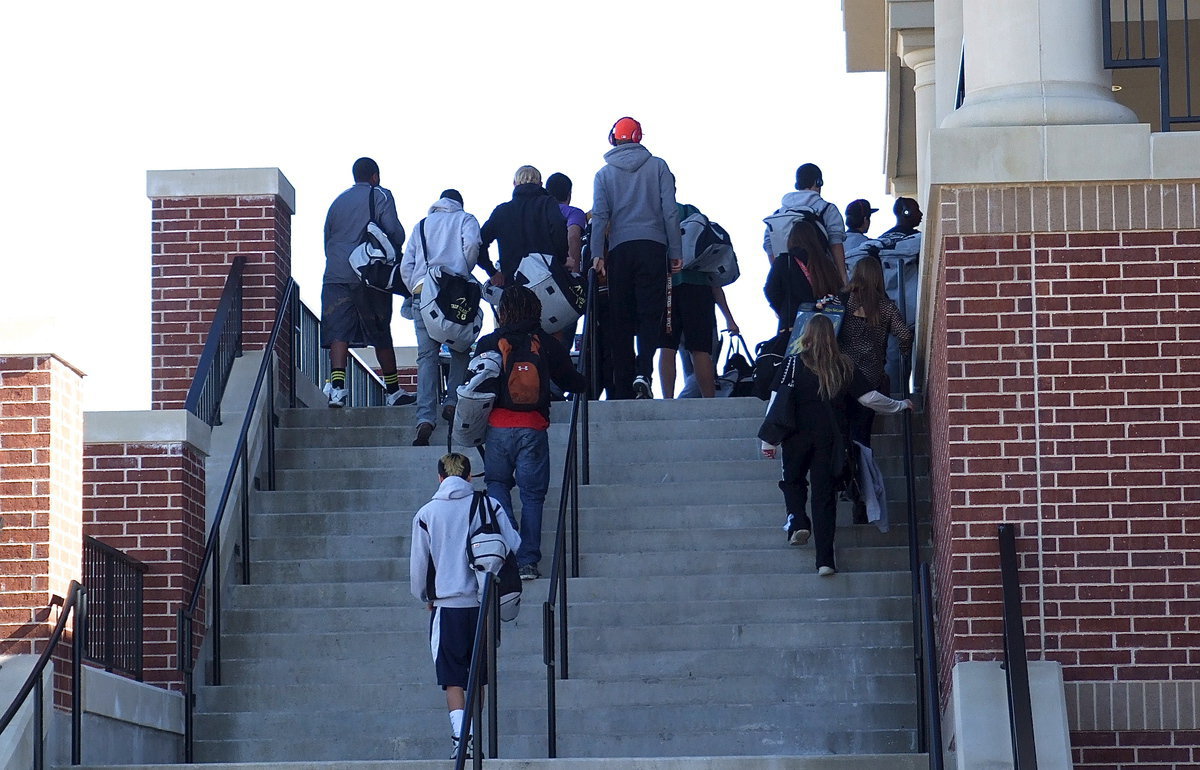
column 524, row 386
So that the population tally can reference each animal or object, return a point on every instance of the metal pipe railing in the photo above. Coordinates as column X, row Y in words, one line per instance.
column 1119, row 53
column 222, row 346
column 1016, row 663
column 114, row 581
column 487, row 639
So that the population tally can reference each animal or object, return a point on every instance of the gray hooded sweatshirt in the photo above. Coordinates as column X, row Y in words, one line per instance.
column 634, row 198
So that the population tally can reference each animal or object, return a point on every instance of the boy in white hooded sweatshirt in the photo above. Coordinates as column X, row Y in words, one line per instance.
column 440, row 575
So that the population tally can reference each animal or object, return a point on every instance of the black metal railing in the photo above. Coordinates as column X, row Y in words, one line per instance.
column 74, row 606
column 210, row 563
column 114, row 584
column 483, row 672
column 574, row 473
column 1016, row 662
column 224, row 344
column 1158, row 34
column 929, row 720
column 366, row 389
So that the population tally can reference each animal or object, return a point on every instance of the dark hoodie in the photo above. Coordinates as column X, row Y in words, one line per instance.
column 531, row 223
column 634, row 198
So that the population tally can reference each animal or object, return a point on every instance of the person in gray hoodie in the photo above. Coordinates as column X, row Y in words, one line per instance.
column 440, row 575
column 807, row 198
column 447, row 238
column 636, row 243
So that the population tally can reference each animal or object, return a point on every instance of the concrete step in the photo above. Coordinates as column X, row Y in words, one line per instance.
column 662, row 614
column 408, row 498
column 401, row 666
column 767, row 762
column 713, row 636
column 760, row 688
column 779, row 560
column 282, row 537
column 668, row 588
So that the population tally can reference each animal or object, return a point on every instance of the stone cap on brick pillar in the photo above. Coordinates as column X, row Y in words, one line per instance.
column 31, row 359
column 160, row 426
column 189, row 183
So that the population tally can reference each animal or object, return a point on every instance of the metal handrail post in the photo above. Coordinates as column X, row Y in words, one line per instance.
column 563, row 645
column 551, row 694
column 933, row 717
column 78, row 640
column 493, row 641
column 39, row 748
column 1020, row 711
column 245, row 510
column 215, row 626
column 270, row 430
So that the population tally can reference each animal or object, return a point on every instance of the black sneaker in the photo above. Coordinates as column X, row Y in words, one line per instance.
column 424, row 431
column 529, row 572
column 641, row 388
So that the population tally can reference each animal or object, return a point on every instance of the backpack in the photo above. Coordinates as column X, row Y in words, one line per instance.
column 563, row 296
column 488, row 554
column 737, row 380
column 475, row 400
column 708, row 249
column 780, row 224
column 524, row 386
column 374, row 258
column 450, row 305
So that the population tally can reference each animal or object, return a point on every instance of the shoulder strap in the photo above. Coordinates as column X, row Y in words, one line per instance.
column 371, row 200
column 424, row 243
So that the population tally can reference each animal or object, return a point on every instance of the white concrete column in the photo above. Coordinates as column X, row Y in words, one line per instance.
column 948, row 33
column 915, row 48
column 1035, row 63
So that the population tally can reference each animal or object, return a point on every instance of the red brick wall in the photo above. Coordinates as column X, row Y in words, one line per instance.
column 1142, row 748
column 193, row 243
column 41, row 437
column 148, row 501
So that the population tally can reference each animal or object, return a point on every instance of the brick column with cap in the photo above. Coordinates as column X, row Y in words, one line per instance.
column 201, row 220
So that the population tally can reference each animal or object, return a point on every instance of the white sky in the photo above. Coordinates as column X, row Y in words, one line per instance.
column 450, row 94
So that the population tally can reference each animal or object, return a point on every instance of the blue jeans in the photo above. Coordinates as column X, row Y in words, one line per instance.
column 429, row 373
column 520, row 456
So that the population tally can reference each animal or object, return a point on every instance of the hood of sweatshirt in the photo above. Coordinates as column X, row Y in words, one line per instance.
column 454, row 488
column 627, row 157
column 797, row 198
column 445, row 205
column 529, row 190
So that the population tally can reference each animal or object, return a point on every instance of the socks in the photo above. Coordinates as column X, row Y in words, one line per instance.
column 391, row 383
column 337, row 378
column 456, row 720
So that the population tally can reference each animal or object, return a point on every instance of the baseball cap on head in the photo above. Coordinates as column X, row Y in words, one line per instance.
column 859, row 209
column 625, row 130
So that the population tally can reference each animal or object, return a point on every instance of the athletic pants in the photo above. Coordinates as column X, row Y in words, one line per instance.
column 637, row 296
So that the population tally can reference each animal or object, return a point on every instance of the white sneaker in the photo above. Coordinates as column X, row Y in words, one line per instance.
column 337, row 396
column 400, row 398
column 641, row 388
column 825, row 571
column 454, row 750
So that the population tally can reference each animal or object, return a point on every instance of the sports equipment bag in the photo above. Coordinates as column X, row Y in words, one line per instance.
column 737, row 380
column 779, row 225
column 489, row 554
column 563, row 296
column 374, row 258
column 476, row 398
column 449, row 305
column 708, row 249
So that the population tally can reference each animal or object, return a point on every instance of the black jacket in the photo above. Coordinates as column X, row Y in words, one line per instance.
column 555, row 357
column 530, row 223
column 786, row 289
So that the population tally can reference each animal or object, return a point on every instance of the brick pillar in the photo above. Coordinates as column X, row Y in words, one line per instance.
column 41, row 541
column 202, row 220
column 1064, row 397
column 143, row 481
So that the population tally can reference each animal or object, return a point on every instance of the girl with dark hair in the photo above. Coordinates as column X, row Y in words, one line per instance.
column 822, row 381
column 803, row 274
column 870, row 317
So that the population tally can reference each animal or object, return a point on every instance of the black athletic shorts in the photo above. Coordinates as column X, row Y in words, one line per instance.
column 355, row 314
column 693, row 319
column 451, row 640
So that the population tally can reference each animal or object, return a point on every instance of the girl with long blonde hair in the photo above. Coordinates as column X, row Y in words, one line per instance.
column 822, row 381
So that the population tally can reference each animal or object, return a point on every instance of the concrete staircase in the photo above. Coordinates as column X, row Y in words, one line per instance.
column 695, row 631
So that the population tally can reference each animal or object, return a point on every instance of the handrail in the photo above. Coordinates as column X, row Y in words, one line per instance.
column 1163, row 60
column 224, row 343
column 212, row 548
column 76, row 600
column 365, row 387
column 115, row 580
column 568, row 501
column 487, row 637
column 1016, row 664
